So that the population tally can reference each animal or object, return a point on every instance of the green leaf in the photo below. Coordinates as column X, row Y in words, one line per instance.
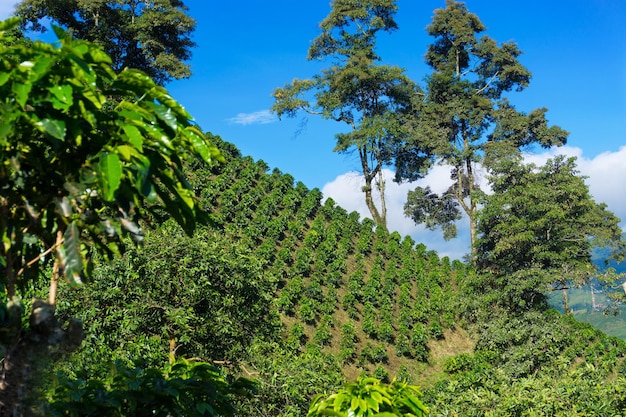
column 110, row 174
column 53, row 127
column 82, row 71
column 73, row 262
column 376, row 396
column 134, row 80
column 163, row 142
column 134, row 136
column 21, row 92
column 98, row 56
column 63, row 95
column 205, row 409
column 165, row 114
column 95, row 97
column 126, row 152
column 372, row 403
column 4, row 77
column 59, row 31
column 354, row 403
column 10, row 23
column 88, row 116
column 199, row 144
column 41, row 68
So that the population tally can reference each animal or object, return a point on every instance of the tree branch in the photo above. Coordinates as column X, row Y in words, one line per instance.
column 488, row 83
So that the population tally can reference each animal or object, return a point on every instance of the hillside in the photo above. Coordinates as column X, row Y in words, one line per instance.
column 303, row 296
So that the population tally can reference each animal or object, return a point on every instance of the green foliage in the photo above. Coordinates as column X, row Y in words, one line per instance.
column 371, row 99
column 154, row 37
column 323, row 334
column 181, row 388
column 278, row 253
column 86, row 154
column 205, row 297
column 306, row 312
column 287, row 381
column 370, row 397
column 538, row 229
column 297, row 337
column 419, row 339
column 374, row 354
column 423, row 206
column 466, row 117
column 347, row 345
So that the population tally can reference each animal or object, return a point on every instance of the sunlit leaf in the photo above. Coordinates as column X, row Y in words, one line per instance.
column 10, row 23
column 4, row 77
column 53, row 127
column 21, row 92
column 126, row 152
column 134, row 136
column 165, row 114
column 354, row 403
column 87, row 114
column 199, row 145
column 41, row 68
column 63, row 94
column 82, row 71
column 110, row 174
column 73, row 261
column 99, row 56
column 95, row 97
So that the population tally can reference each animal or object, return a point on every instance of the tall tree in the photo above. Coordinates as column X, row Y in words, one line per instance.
column 538, row 228
column 467, row 120
column 152, row 36
column 372, row 99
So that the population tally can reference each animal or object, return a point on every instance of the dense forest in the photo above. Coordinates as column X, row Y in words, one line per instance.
column 149, row 268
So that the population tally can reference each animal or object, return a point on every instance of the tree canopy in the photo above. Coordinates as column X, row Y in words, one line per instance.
column 151, row 36
column 538, row 228
column 466, row 120
column 372, row 99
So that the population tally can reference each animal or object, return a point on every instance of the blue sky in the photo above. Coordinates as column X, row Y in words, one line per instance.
column 576, row 51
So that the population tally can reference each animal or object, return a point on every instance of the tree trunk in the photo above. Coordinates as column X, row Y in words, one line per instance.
column 472, row 204
column 472, row 225
column 369, row 176
column 369, row 201
column 566, row 308
column 27, row 351
column 383, row 204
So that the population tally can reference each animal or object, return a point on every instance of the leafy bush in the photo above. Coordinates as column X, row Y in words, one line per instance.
column 181, row 388
column 369, row 397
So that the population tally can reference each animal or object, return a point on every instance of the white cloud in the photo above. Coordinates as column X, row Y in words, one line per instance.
column 258, row 117
column 606, row 179
column 345, row 190
column 7, row 7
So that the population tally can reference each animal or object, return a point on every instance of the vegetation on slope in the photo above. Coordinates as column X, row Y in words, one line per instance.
column 302, row 297
column 279, row 287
